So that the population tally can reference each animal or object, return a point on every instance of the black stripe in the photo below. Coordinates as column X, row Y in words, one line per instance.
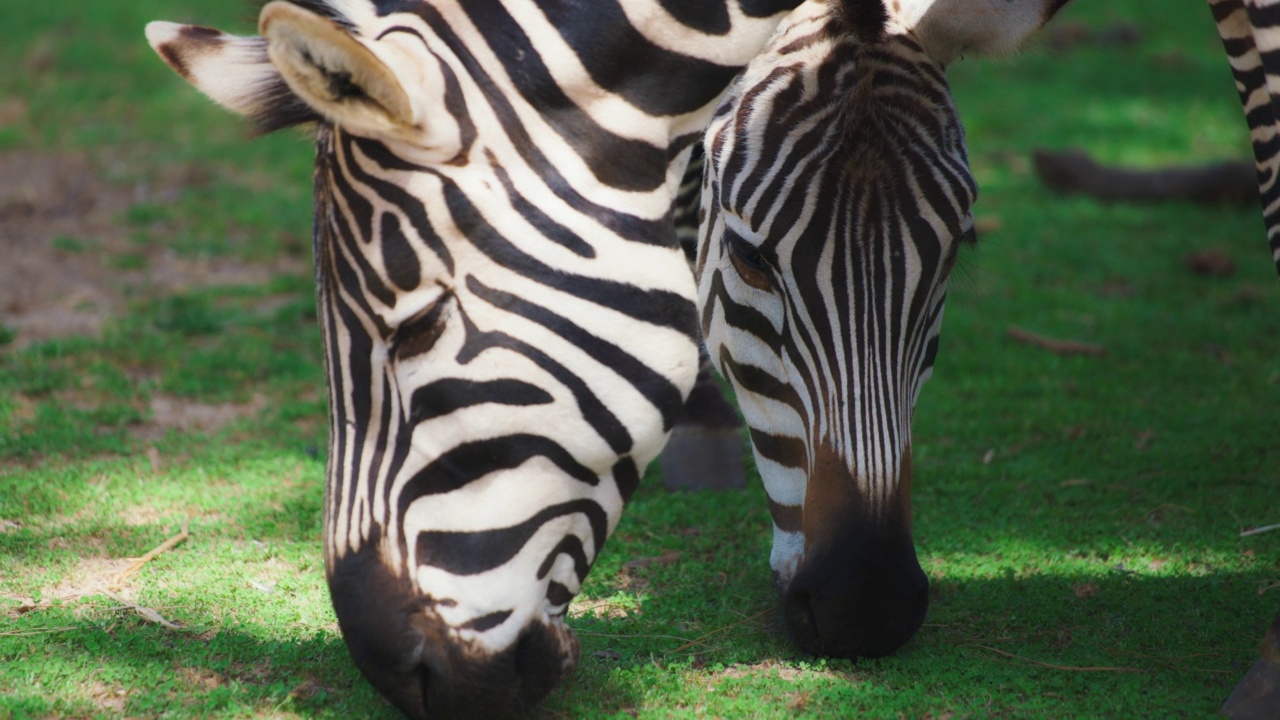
column 570, row 545
column 616, row 161
column 594, row 412
column 542, row 222
column 623, row 61
column 656, row 307
column 711, row 18
column 784, row 450
column 627, row 476
column 759, row 381
column 398, row 256
column 457, row 467
column 487, row 622
column 394, row 193
column 449, row 395
column 471, row 553
column 655, row 387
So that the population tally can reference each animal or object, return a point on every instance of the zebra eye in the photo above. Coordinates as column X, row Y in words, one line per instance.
column 968, row 237
column 949, row 261
column 747, row 260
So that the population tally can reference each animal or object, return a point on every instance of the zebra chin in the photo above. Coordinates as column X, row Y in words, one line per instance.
column 858, row 590
column 418, row 663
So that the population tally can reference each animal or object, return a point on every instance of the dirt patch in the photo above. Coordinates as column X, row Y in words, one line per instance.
column 108, row 698
column 185, row 416
column 91, row 576
column 61, row 224
column 201, row 678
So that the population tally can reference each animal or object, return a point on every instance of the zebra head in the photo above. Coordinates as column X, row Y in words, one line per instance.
column 509, row 327
column 837, row 193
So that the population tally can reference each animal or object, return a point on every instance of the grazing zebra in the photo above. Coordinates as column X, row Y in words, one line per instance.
column 837, row 193
column 1250, row 32
column 509, row 326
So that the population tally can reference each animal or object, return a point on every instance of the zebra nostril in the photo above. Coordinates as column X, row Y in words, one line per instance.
column 424, row 686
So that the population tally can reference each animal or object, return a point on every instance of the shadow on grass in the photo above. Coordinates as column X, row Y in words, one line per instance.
column 1042, row 646
column 119, row 664
column 1107, row 642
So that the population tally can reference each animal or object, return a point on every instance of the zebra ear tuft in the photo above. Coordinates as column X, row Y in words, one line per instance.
column 333, row 72
column 232, row 70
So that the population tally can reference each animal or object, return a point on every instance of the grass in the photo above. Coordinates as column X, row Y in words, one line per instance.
column 1079, row 517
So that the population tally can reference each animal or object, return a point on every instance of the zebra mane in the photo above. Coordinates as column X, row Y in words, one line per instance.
column 865, row 19
column 868, row 122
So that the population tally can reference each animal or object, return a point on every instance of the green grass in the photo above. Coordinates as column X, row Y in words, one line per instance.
column 1072, row 512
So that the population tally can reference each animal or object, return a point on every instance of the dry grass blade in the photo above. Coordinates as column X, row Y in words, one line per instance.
column 698, row 640
column 41, row 631
column 1259, row 530
column 152, row 616
column 137, row 564
column 669, row 558
column 1051, row 666
column 1062, row 347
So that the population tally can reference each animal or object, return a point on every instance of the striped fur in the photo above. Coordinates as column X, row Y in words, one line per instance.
column 1250, row 32
column 509, row 325
column 837, row 193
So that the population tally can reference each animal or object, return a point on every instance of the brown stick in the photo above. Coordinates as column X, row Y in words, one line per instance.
column 1062, row 347
column 137, row 564
column 1073, row 171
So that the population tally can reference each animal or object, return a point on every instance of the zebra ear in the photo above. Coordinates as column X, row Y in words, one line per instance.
column 333, row 72
column 233, row 71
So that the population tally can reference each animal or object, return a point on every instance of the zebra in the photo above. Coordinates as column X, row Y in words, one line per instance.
column 508, row 324
column 837, row 194
column 1250, row 33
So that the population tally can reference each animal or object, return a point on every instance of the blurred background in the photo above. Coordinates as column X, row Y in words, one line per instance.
column 1079, row 514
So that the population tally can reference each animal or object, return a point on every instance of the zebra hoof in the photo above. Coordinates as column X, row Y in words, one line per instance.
column 701, row 457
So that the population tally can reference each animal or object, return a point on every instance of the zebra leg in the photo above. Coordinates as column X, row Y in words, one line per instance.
column 706, row 450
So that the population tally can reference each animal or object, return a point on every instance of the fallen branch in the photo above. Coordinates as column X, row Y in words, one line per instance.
column 137, row 564
column 1051, row 666
column 1259, row 531
column 1074, row 172
column 1062, row 347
